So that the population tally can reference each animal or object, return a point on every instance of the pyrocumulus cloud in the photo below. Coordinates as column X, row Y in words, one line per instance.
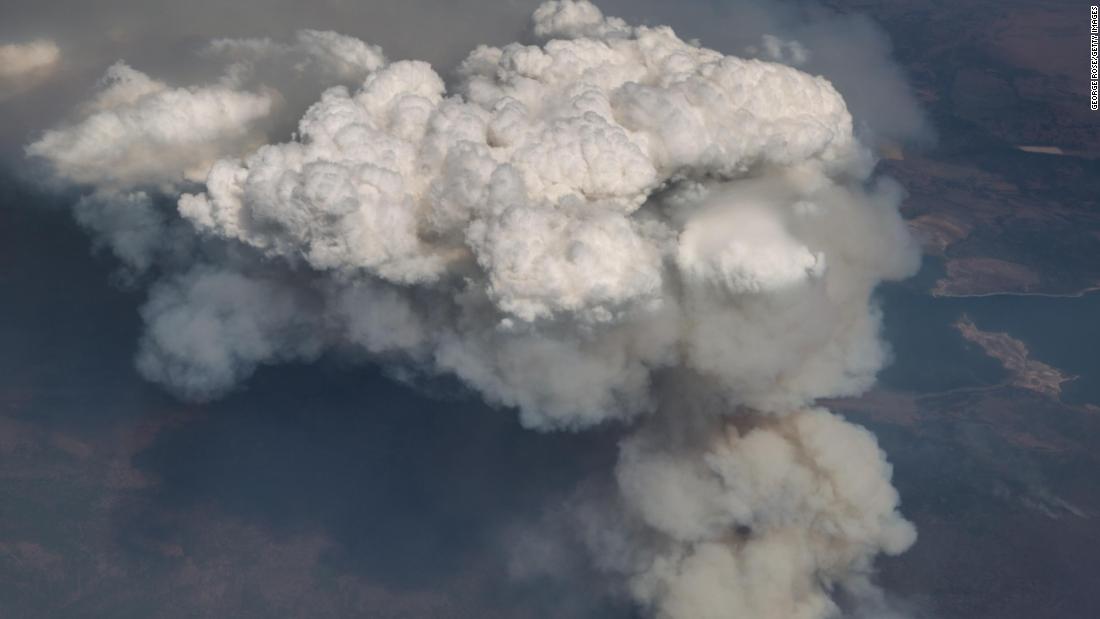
column 611, row 224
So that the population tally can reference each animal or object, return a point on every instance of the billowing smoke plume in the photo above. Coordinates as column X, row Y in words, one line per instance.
column 614, row 224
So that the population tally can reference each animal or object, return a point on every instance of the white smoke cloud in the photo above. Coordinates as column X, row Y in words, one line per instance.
column 313, row 51
column 139, row 131
column 25, row 65
column 754, row 525
column 129, row 224
column 576, row 229
column 849, row 49
column 781, row 50
column 209, row 327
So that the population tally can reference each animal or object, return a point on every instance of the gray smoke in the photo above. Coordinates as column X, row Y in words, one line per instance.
column 612, row 224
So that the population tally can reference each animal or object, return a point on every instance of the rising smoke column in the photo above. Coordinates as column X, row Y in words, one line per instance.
column 611, row 225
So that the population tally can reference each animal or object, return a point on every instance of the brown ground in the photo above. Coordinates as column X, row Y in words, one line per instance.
column 1025, row 372
column 993, row 76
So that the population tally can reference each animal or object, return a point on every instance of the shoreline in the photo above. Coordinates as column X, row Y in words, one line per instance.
column 1052, row 295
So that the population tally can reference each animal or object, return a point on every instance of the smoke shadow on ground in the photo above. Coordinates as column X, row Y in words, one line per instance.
column 412, row 489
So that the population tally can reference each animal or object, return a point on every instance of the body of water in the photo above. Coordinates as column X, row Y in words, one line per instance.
column 930, row 354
